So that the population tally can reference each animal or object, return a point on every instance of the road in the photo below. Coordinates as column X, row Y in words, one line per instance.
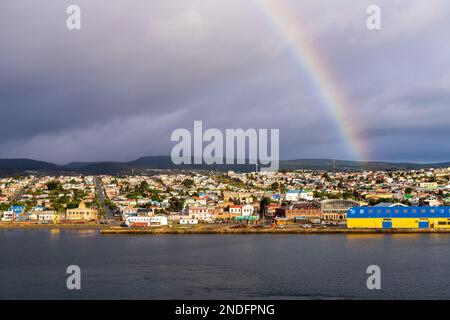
column 109, row 214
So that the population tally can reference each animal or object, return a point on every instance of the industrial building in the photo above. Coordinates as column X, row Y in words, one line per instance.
column 399, row 217
column 305, row 210
column 336, row 209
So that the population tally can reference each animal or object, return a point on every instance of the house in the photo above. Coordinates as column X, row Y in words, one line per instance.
column 433, row 202
column 200, row 213
column 272, row 208
column 43, row 216
column 293, row 195
column 201, row 200
column 276, row 197
column 8, row 216
column 247, row 210
column 235, row 209
column 307, row 195
column 14, row 213
column 143, row 201
column 81, row 213
column 226, row 216
column 177, row 216
column 190, row 210
column 128, row 212
column 146, row 211
column 428, row 185
column 245, row 197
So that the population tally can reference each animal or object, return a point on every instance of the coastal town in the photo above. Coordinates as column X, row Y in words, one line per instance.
column 193, row 199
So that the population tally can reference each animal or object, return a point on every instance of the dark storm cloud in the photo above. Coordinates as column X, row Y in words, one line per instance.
column 137, row 70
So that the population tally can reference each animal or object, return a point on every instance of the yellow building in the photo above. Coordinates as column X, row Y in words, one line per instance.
column 82, row 213
column 399, row 218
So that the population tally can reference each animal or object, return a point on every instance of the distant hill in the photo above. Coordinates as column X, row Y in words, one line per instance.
column 146, row 164
column 100, row 168
column 13, row 166
column 343, row 165
column 165, row 162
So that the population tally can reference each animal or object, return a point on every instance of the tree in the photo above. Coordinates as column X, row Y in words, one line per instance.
column 111, row 205
column 176, row 204
column 144, row 186
column 72, row 205
column 53, row 185
column 188, row 183
column 348, row 195
column 326, row 177
column 265, row 202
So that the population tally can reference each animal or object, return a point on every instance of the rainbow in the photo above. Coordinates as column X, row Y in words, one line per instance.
column 321, row 76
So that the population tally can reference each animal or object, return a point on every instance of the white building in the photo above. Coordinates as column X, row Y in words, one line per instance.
column 199, row 213
column 188, row 221
column 307, row 195
column 154, row 221
column 8, row 216
column 297, row 195
column 43, row 216
column 247, row 210
column 293, row 195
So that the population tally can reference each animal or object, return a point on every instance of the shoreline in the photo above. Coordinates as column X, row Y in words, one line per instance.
column 161, row 231
column 24, row 226
column 108, row 230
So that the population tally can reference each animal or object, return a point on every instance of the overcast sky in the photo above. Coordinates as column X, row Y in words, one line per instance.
column 137, row 70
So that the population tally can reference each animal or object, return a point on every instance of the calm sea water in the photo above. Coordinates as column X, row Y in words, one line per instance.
column 33, row 265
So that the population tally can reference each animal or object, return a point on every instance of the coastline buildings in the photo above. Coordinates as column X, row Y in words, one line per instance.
column 207, row 196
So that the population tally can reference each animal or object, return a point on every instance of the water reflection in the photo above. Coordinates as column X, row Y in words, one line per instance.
column 57, row 232
column 54, row 233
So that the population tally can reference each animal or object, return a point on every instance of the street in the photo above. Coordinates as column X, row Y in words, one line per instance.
column 109, row 214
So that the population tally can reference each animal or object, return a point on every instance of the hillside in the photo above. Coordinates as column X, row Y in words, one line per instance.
column 146, row 164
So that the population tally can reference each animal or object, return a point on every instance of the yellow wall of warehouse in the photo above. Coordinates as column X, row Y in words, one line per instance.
column 405, row 223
